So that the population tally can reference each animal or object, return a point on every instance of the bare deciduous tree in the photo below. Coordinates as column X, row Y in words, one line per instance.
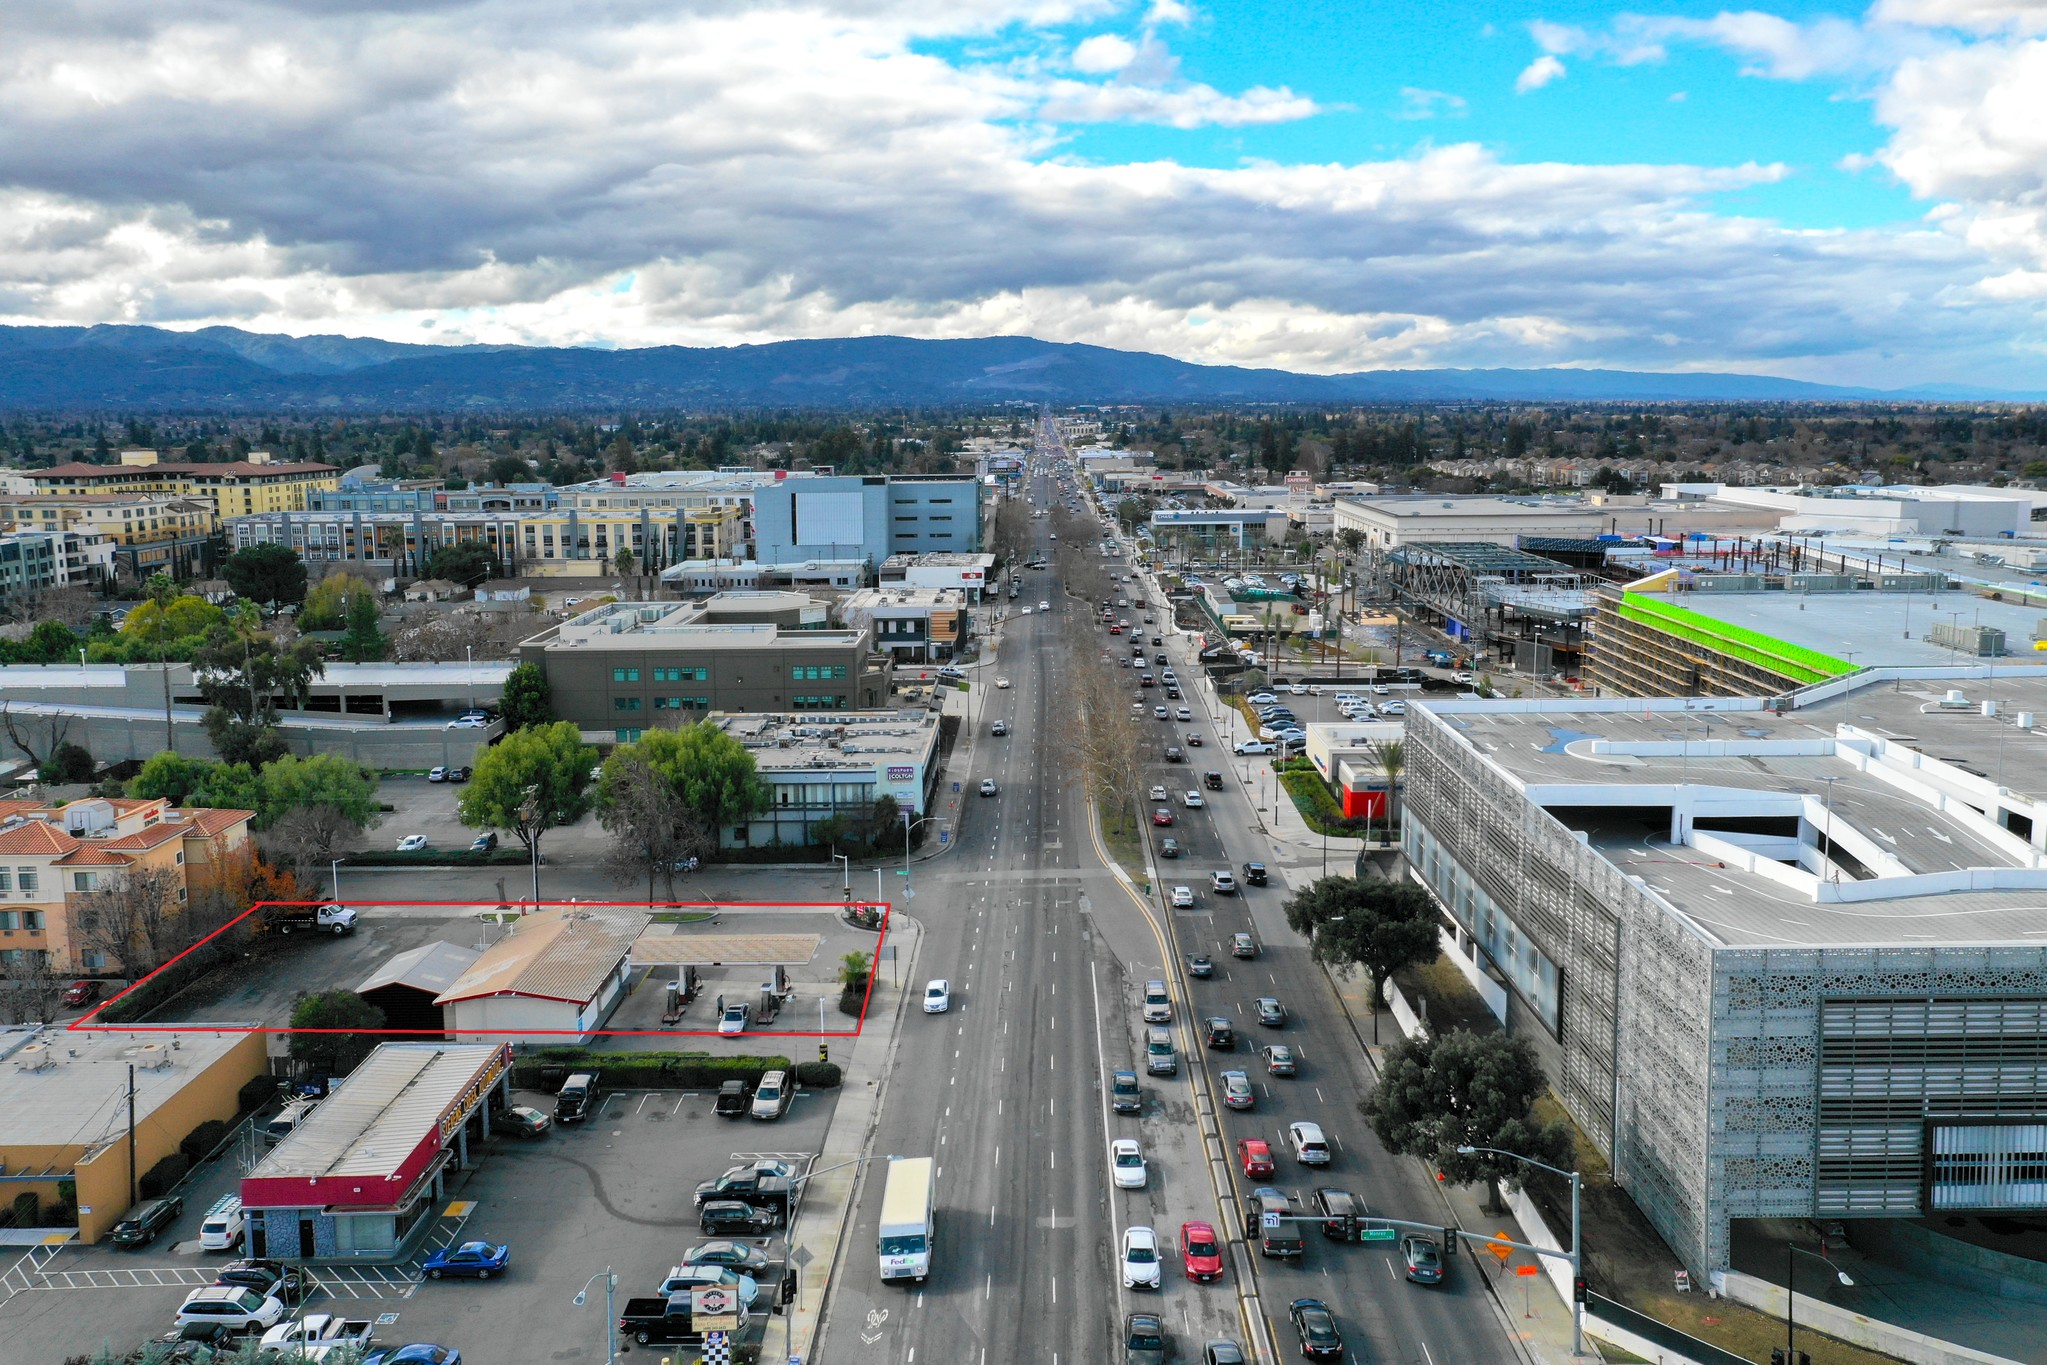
column 37, row 737
column 29, row 988
column 652, row 827
column 133, row 916
column 306, row 838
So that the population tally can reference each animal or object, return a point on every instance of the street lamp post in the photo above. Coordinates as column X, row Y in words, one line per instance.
column 1791, row 1295
column 845, row 876
column 610, row 1317
column 1577, row 1259
column 788, row 1226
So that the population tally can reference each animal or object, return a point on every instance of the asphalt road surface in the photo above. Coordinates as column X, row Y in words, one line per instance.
column 1046, row 953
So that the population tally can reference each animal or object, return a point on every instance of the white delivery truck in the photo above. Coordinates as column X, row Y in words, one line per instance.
column 908, row 1224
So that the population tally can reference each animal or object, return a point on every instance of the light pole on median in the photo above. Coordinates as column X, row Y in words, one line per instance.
column 610, row 1317
column 1791, row 1297
column 1577, row 1260
column 845, row 876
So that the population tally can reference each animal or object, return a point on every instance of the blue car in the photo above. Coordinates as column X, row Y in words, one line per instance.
column 419, row 1353
column 478, row 1259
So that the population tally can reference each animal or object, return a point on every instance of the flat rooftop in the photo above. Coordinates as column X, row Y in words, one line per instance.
column 1870, row 629
column 836, row 739
column 1905, row 774
column 63, row 1089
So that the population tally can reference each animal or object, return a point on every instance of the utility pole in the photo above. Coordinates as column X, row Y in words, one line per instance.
column 134, row 1195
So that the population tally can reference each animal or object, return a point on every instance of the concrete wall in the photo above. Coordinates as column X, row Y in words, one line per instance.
column 489, row 1020
column 1950, row 1260
column 1873, row 1333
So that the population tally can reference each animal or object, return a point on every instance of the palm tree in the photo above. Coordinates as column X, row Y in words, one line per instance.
column 1392, row 757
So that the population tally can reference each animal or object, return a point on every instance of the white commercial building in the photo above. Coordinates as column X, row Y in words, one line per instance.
column 1390, row 523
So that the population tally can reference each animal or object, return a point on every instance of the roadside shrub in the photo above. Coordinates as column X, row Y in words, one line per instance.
column 26, row 1211
column 202, row 1140
column 818, row 1075
column 165, row 1174
column 257, row 1092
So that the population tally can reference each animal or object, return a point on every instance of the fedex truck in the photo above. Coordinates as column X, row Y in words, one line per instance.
column 908, row 1219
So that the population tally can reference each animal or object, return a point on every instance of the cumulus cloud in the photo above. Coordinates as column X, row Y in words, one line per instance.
column 719, row 171
column 1417, row 103
column 1538, row 73
column 1103, row 53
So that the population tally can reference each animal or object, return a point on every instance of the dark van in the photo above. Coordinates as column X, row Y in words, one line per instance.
column 577, row 1099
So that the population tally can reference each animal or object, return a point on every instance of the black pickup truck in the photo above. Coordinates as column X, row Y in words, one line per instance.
column 650, row 1320
column 765, row 1184
column 735, row 1099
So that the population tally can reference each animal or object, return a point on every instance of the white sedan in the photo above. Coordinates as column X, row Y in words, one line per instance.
column 1127, row 1162
column 1026, row 611
column 937, row 996
column 412, row 843
column 1140, row 1258
column 1002, row 684
column 1192, row 800
column 1183, row 897
column 1044, row 606
column 1158, row 792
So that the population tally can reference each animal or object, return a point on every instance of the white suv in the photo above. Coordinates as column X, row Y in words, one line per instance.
column 1310, row 1147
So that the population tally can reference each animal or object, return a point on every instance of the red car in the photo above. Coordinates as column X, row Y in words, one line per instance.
column 1255, row 1156
column 84, row 992
column 1115, row 630
column 1203, row 1250
column 1162, row 816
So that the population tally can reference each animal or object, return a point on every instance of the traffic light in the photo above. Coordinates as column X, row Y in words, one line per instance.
column 1578, row 1289
column 1450, row 1240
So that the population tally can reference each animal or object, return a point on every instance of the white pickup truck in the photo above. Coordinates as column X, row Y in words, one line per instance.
column 326, row 919
column 314, row 1335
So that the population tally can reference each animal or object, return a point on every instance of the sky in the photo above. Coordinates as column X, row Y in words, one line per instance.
column 1844, row 194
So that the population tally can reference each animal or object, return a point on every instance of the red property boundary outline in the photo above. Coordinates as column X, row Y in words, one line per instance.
column 85, row 1024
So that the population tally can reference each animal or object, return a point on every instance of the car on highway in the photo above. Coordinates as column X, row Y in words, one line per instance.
column 1280, row 1060
column 1222, row 883
column 1145, row 679
column 412, row 843
column 1315, row 1325
column 1254, row 1157
column 1002, row 684
column 1159, row 1057
column 1126, row 1164
column 1144, row 1339
column 1201, row 1252
column 1045, row 605
column 1175, row 754
column 1212, row 780
column 1169, row 847
column 1140, row 1258
column 1222, row 1351
column 1162, row 816
column 937, row 996
column 1245, row 747
column 1271, row 1013
column 1192, row 800
column 1183, row 715
column 1311, row 1148
column 1026, row 611
column 1159, row 713
column 999, row 728
column 735, row 1019
column 1243, row 945
column 1254, row 874
column 1421, row 1258
column 1343, row 1214
column 477, row 1260
column 1158, row 791
column 1183, row 897
column 988, row 787
column 1237, row 1091
column 522, row 1121
column 1124, row 1095
column 731, row 1255
column 1200, row 966
column 1194, row 741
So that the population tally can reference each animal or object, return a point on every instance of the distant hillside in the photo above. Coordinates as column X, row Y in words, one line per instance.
column 225, row 368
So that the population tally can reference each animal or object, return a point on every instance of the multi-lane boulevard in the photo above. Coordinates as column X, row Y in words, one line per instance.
column 1047, row 950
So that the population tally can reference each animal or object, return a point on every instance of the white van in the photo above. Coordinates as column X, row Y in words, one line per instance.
column 909, row 1227
column 222, row 1229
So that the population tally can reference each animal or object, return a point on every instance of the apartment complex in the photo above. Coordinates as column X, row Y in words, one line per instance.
column 150, row 533
column 621, row 670
column 1782, row 958
column 53, row 858
column 238, row 488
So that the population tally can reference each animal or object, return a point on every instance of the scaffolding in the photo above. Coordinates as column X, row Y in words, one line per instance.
column 1519, row 608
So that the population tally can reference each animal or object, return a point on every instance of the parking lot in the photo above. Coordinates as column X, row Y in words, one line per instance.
column 616, row 1192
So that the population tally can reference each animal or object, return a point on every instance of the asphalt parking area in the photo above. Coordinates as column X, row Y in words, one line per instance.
column 616, row 1192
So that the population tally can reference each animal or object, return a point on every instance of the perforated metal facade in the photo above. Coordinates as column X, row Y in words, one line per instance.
column 1738, row 1082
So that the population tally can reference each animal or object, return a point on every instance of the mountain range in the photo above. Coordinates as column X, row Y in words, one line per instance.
column 227, row 369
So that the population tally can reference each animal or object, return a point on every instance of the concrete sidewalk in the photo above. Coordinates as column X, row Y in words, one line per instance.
column 819, row 1233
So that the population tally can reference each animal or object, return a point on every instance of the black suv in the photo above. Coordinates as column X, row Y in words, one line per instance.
column 1343, row 1214
column 1220, row 1036
column 730, row 1218
column 1254, row 873
column 1175, row 754
column 146, row 1220
column 1124, row 1096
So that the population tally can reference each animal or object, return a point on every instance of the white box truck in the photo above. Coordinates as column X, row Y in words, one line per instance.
column 908, row 1224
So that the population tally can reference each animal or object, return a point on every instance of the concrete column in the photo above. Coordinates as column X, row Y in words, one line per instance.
column 462, row 1146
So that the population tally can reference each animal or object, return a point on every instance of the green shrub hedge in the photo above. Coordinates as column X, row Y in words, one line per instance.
column 542, row 1069
column 515, row 856
column 1318, row 805
column 256, row 1092
column 159, row 1179
column 818, row 1075
column 202, row 1140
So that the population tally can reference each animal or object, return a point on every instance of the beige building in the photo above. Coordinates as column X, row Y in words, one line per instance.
column 64, row 1131
column 54, row 858
column 237, row 488
column 555, row 978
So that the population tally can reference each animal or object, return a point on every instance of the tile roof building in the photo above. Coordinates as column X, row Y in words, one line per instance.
column 55, row 859
column 237, row 488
